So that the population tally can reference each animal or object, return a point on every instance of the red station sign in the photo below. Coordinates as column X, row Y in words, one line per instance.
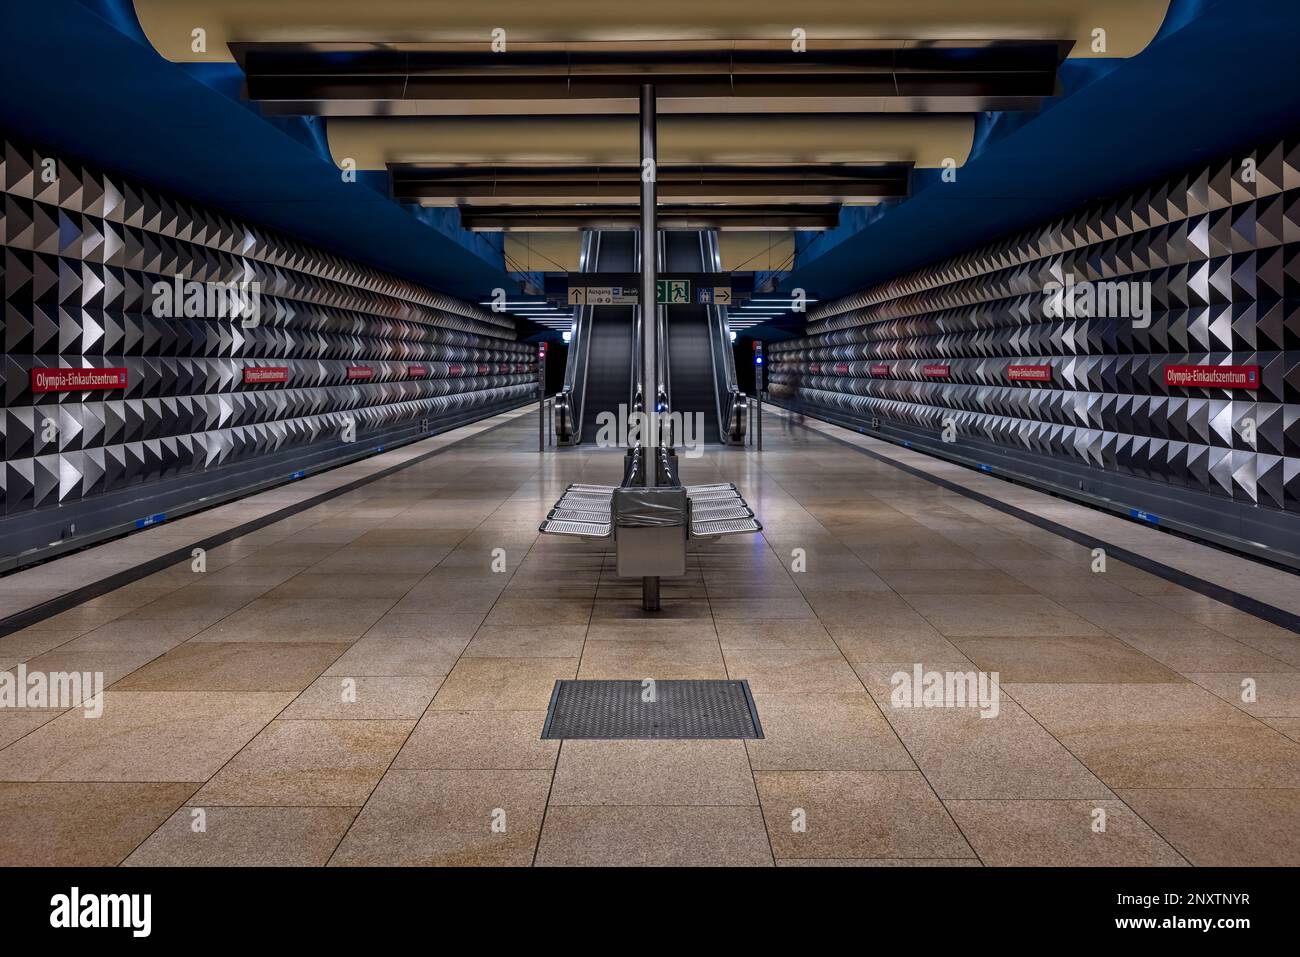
column 77, row 380
column 1023, row 373
column 257, row 375
column 1212, row 377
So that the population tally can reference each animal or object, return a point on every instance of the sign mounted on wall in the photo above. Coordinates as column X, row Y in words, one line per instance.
column 934, row 370
column 256, row 375
column 360, row 372
column 1212, row 377
column 77, row 380
column 669, row 292
column 1019, row 373
column 602, row 296
column 880, row 368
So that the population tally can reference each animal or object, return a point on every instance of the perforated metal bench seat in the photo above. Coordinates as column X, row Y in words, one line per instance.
column 584, row 511
column 719, row 510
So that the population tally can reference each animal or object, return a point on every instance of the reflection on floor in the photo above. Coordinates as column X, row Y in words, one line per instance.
column 365, row 683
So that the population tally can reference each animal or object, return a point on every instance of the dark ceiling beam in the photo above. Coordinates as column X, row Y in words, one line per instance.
column 567, row 218
column 361, row 79
column 747, row 185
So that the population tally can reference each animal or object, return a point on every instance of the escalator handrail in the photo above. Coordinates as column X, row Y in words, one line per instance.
column 731, row 427
column 588, row 264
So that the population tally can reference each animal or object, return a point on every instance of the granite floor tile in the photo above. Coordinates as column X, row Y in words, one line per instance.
column 234, row 666
column 16, row 723
column 478, row 741
column 536, row 641
column 774, row 635
column 448, row 818
column 965, row 754
column 856, row 814
column 1061, row 834
column 246, row 837
column 1096, row 659
column 1150, row 735
column 1263, row 695
column 144, row 736
column 650, row 658
column 72, row 824
column 360, row 698
column 1224, row 827
column 299, row 619
column 509, row 684
column 296, row 763
column 804, row 672
column 398, row 657
column 824, row 732
column 680, row 772
column 958, row 616
column 654, row 837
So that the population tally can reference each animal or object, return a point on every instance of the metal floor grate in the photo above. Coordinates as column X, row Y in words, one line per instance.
column 681, row 709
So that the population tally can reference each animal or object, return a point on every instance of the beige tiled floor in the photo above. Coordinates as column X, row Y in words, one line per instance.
column 365, row 683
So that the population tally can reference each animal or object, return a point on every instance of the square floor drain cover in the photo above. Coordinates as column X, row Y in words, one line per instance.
column 647, row 710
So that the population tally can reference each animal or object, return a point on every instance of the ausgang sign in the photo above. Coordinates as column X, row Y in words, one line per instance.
column 77, row 380
column 602, row 296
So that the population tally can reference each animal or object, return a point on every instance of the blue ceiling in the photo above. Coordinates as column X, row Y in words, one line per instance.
column 1222, row 75
column 79, row 78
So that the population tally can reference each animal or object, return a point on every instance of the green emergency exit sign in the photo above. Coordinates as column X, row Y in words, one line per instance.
column 670, row 292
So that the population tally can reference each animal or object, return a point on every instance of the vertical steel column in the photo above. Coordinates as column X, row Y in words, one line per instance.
column 541, row 398
column 649, row 309
column 649, row 313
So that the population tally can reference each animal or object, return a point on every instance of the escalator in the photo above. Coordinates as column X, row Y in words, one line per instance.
column 701, row 368
column 696, row 366
column 690, row 371
column 599, row 378
column 609, row 369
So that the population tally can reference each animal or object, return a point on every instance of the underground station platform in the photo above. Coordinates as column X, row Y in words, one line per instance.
column 943, row 513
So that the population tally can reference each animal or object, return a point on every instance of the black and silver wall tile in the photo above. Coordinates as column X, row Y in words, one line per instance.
column 83, row 253
column 1218, row 251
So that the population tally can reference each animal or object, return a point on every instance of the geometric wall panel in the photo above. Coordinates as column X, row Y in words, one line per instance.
column 1218, row 251
column 81, row 258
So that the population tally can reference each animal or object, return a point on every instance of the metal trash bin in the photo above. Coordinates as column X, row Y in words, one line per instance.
column 650, row 527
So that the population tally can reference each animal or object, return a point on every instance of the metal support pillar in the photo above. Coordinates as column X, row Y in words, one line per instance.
column 649, row 312
column 649, row 250
column 541, row 398
column 650, row 594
